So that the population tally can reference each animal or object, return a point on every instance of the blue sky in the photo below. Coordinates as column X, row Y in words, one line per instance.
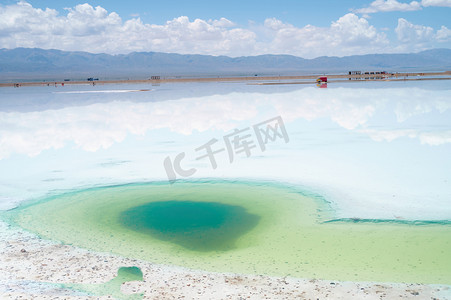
column 303, row 28
column 296, row 12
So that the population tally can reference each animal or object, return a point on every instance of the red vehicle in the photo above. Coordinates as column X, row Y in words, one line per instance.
column 322, row 79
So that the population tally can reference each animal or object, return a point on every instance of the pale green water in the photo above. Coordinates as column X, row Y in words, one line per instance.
column 282, row 232
column 112, row 287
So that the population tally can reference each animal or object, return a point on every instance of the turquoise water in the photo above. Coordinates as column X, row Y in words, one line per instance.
column 200, row 226
column 243, row 227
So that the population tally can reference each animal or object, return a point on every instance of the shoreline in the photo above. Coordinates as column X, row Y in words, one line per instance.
column 28, row 264
column 340, row 77
column 331, row 239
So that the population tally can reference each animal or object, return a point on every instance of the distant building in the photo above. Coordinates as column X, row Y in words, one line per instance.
column 154, row 77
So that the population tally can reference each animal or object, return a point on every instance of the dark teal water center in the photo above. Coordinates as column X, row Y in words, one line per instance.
column 198, row 226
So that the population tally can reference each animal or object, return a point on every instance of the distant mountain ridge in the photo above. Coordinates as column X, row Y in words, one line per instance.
column 39, row 63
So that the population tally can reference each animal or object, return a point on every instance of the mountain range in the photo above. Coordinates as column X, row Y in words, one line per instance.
column 34, row 63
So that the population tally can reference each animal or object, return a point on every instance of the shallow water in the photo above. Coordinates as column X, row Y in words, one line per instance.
column 267, row 228
column 372, row 157
column 112, row 287
column 375, row 150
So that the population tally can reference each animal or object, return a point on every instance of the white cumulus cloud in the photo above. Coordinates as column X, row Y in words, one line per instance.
column 394, row 5
column 408, row 32
column 349, row 34
column 388, row 5
column 415, row 37
column 444, row 3
column 94, row 29
column 443, row 34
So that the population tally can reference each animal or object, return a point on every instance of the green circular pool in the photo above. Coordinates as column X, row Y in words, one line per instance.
column 243, row 227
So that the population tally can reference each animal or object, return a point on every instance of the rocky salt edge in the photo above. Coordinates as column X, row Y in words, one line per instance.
column 29, row 266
